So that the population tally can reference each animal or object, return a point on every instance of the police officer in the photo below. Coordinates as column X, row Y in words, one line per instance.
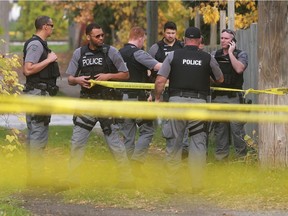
column 188, row 70
column 233, row 63
column 162, row 48
column 185, row 148
column 159, row 51
column 100, row 62
column 41, row 71
column 138, row 62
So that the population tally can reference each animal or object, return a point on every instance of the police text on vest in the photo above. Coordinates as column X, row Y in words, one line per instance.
column 92, row 61
column 192, row 62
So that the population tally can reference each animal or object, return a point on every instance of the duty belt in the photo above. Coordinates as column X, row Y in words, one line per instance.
column 91, row 96
column 141, row 95
column 32, row 86
column 52, row 90
column 225, row 93
column 132, row 94
column 188, row 94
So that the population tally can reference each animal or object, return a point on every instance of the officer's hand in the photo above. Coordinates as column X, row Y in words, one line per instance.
column 84, row 81
column 102, row 77
column 52, row 57
column 150, row 98
column 157, row 100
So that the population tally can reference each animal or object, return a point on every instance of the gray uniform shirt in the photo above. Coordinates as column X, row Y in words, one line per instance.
column 34, row 51
column 153, row 50
column 166, row 67
column 145, row 59
column 113, row 54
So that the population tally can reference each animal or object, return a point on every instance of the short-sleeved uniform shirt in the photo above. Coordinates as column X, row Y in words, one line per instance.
column 113, row 54
column 33, row 52
column 145, row 59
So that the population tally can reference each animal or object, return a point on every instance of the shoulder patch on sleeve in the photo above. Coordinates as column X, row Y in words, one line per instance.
column 34, row 47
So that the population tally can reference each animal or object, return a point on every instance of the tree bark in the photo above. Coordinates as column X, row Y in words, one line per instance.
column 5, row 7
column 272, row 53
column 213, row 34
column 74, row 35
column 152, row 23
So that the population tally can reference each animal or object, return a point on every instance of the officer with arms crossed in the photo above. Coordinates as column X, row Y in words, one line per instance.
column 138, row 62
column 233, row 63
column 188, row 70
column 163, row 47
column 41, row 71
column 100, row 62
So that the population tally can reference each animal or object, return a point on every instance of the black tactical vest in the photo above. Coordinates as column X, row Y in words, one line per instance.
column 231, row 78
column 47, row 75
column 190, row 70
column 165, row 49
column 137, row 71
column 93, row 62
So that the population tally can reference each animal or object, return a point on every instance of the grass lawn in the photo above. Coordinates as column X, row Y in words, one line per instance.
column 56, row 48
column 234, row 184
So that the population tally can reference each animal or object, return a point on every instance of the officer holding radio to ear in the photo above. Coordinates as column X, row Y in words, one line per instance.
column 233, row 63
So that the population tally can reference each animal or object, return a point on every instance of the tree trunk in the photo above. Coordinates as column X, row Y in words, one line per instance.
column 152, row 23
column 272, row 53
column 5, row 7
column 197, row 20
column 213, row 34
column 231, row 14
column 74, row 35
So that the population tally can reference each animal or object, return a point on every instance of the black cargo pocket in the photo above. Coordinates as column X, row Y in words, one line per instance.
column 167, row 129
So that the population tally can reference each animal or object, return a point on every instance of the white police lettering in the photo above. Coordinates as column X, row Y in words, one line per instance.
column 92, row 61
column 192, row 62
column 166, row 53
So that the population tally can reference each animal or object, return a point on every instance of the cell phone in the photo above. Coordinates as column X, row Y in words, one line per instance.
column 233, row 39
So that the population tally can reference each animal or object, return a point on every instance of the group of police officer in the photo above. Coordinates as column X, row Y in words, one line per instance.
column 189, row 71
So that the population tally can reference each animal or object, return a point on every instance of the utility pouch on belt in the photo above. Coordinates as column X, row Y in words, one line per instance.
column 243, row 100
column 42, row 118
column 105, row 124
column 53, row 90
column 111, row 94
column 143, row 95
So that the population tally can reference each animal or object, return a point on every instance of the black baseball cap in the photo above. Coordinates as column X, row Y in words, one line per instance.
column 192, row 32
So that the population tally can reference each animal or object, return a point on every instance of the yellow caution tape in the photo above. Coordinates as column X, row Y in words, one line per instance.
column 276, row 91
column 145, row 110
column 124, row 85
column 132, row 85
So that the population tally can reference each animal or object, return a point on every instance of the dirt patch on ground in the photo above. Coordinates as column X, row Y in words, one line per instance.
column 46, row 203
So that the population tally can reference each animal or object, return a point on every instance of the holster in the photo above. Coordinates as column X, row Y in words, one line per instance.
column 105, row 124
column 42, row 118
column 44, row 87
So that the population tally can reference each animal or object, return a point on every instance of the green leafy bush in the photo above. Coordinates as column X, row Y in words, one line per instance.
column 9, row 85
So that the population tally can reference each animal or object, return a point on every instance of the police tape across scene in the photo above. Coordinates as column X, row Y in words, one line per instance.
column 146, row 110
column 132, row 85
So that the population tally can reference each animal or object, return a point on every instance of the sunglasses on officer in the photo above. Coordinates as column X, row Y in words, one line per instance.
column 51, row 25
